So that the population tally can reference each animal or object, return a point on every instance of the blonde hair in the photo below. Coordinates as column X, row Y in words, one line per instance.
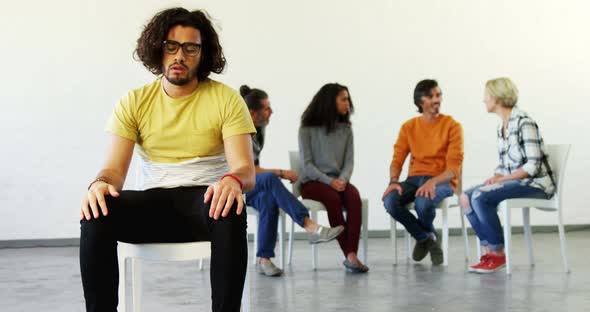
column 503, row 90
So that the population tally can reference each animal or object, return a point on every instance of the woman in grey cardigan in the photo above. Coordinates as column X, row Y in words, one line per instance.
column 327, row 154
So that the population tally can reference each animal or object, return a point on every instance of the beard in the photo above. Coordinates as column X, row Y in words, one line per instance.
column 180, row 80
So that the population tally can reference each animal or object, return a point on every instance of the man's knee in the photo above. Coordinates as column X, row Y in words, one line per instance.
column 392, row 204
column 268, row 180
column 423, row 202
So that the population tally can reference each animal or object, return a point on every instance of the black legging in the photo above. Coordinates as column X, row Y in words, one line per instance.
column 162, row 216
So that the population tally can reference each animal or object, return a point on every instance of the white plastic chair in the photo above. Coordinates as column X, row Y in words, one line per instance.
column 557, row 156
column 281, row 237
column 160, row 252
column 315, row 206
column 444, row 206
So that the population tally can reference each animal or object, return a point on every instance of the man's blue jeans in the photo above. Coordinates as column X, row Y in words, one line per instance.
column 483, row 202
column 422, row 227
column 268, row 195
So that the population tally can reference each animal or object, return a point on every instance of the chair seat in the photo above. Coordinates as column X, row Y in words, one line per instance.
column 451, row 201
column 167, row 251
column 314, row 205
column 543, row 204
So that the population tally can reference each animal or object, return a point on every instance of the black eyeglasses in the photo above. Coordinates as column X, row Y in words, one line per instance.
column 189, row 48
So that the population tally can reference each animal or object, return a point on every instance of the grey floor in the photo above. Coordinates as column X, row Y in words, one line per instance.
column 48, row 279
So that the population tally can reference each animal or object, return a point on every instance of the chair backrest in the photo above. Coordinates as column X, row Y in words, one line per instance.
column 296, row 166
column 557, row 155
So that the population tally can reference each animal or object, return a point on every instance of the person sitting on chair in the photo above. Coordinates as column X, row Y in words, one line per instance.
column 270, row 193
column 435, row 142
column 193, row 136
column 523, row 172
column 327, row 153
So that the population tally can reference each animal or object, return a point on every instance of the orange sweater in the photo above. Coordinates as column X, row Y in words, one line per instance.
column 435, row 147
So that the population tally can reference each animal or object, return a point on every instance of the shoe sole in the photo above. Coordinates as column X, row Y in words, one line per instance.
column 437, row 262
column 270, row 275
column 325, row 240
column 487, row 271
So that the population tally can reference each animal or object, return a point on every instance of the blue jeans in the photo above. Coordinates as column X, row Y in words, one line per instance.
column 268, row 195
column 420, row 228
column 483, row 202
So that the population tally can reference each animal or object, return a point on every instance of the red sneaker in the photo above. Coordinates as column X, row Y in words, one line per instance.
column 492, row 264
column 475, row 267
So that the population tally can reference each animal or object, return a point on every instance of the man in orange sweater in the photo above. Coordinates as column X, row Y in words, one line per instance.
column 435, row 142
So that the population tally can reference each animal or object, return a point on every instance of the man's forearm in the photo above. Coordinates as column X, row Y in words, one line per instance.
column 394, row 173
column 444, row 177
column 113, row 177
column 247, row 175
column 278, row 172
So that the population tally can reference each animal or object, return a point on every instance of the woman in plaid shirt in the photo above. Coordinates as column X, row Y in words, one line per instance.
column 523, row 172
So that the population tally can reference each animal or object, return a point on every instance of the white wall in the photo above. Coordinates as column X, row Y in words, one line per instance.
column 67, row 62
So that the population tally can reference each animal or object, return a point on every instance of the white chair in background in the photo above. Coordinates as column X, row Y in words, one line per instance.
column 315, row 206
column 444, row 207
column 557, row 156
column 281, row 237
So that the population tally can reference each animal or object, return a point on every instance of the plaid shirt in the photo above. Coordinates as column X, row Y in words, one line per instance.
column 523, row 148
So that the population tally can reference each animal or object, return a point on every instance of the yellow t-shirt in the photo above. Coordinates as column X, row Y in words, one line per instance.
column 175, row 130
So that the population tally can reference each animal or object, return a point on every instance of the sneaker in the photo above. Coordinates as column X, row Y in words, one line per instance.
column 436, row 253
column 475, row 267
column 325, row 234
column 355, row 268
column 492, row 264
column 269, row 269
column 420, row 250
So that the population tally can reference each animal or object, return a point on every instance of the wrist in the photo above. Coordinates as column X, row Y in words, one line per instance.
column 99, row 179
column 281, row 173
column 234, row 177
column 393, row 181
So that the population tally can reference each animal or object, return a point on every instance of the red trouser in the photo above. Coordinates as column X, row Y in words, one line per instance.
column 349, row 200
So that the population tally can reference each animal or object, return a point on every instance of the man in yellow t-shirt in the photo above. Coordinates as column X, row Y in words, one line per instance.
column 193, row 137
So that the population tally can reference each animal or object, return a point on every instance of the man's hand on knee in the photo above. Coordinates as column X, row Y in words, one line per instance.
column 427, row 190
column 394, row 186
column 222, row 195
column 95, row 199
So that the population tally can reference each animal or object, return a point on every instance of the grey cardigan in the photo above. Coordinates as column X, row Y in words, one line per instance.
column 326, row 156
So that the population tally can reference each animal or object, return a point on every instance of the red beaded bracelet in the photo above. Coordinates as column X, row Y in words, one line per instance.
column 233, row 176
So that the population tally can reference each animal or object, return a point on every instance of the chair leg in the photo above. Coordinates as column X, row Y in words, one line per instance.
column 122, row 282
column 465, row 237
column 314, row 248
column 393, row 237
column 445, row 235
column 365, row 229
column 563, row 242
column 291, row 233
column 507, row 235
column 246, row 295
column 408, row 245
column 478, row 247
column 282, row 240
column 201, row 264
column 255, row 227
column 136, row 284
column 526, row 220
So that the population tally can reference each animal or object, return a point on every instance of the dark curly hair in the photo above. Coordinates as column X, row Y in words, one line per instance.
column 149, row 45
column 322, row 112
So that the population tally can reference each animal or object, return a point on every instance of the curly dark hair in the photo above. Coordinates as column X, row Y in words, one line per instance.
column 322, row 112
column 149, row 45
